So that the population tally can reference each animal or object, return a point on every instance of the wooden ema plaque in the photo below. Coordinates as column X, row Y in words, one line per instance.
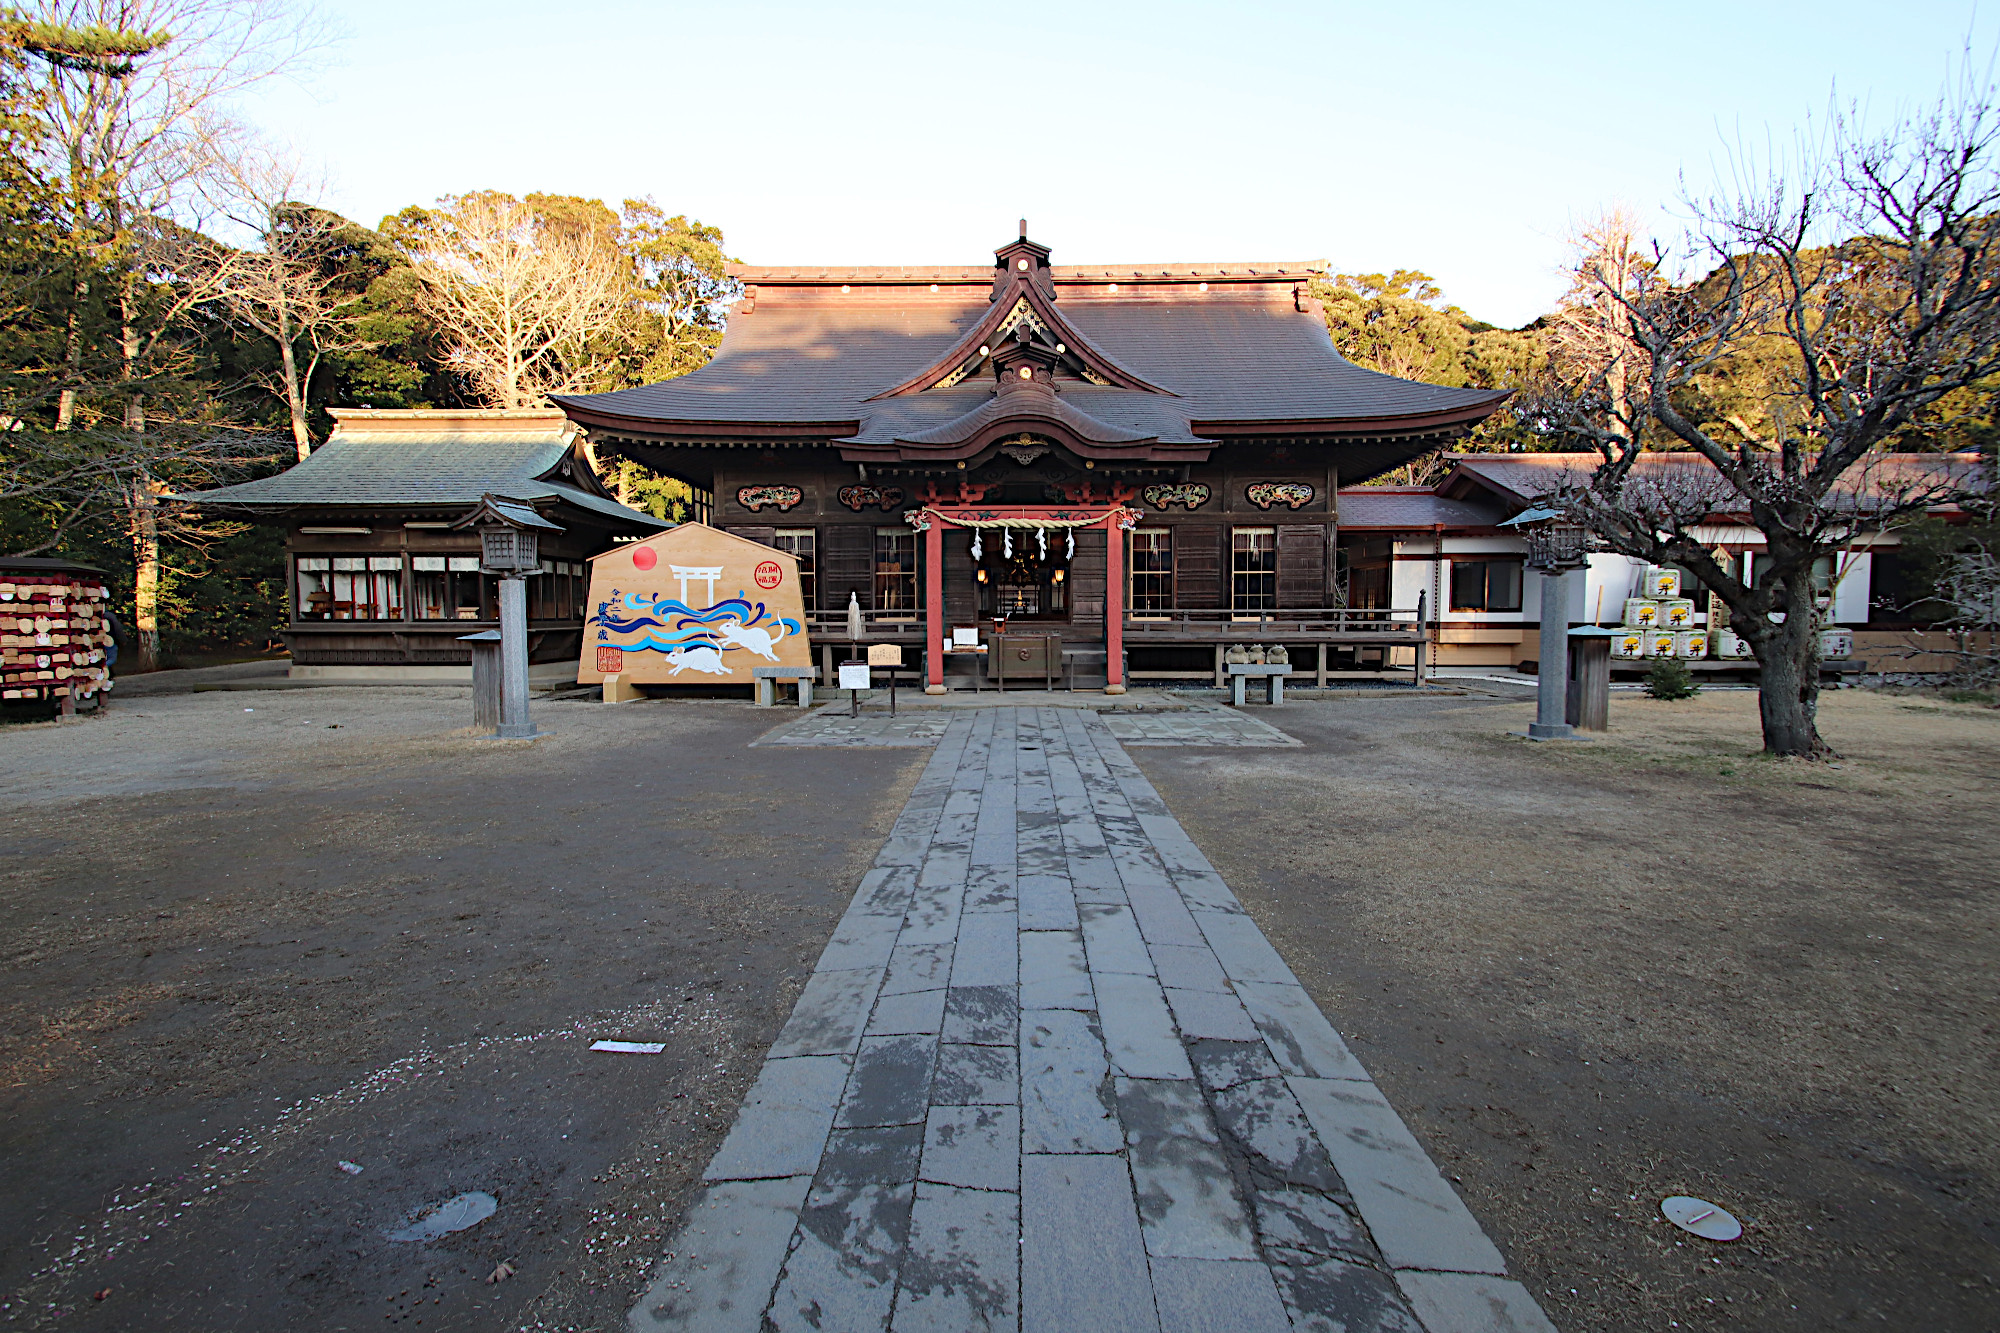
column 692, row 606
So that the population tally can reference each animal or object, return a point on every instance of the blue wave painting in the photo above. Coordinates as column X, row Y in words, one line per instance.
column 680, row 625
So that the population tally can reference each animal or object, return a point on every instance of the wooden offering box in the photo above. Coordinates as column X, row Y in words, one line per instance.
column 53, row 630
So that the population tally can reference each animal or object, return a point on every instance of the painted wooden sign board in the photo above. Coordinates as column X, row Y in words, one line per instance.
column 693, row 605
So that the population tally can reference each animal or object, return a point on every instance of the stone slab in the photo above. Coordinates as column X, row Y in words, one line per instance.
column 962, row 1271
column 891, row 1082
column 978, row 1147
column 1083, row 1263
column 911, row 1011
column 1064, row 1073
column 1414, row 1216
column 725, row 1258
column 1472, row 1303
column 1054, row 974
column 977, row 1076
column 1138, row 1029
column 1111, row 939
column 1212, row 1296
column 830, row 1014
column 1299, row 1036
column 988, row 951
column 1202, row 1013
column 784, row 1120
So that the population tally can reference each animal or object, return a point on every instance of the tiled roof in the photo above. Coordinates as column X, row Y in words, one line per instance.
column 1233, row 355
column 1384, row 508
column 388, row 464
column 1524, row 476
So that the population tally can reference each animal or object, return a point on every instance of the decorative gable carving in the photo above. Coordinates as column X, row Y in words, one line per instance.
column 1023, row 332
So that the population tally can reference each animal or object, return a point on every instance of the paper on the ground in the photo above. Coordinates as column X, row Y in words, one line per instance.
column 630, row 1047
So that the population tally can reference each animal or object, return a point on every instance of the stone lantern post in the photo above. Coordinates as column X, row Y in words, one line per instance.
column 510, row 547
column 1556, row 547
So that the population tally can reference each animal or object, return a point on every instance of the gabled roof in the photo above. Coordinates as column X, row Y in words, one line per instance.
column 1162, row 354
column 436, row 459
column 1411, row 508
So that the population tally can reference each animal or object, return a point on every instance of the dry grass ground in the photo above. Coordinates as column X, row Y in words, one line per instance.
column 249, row 936
column 1594, row 974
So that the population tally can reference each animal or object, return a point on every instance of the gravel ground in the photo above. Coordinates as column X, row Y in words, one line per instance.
column 1592, row 975
column 252, row 936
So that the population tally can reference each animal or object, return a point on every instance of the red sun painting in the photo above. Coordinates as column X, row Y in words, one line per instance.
column 645, row 558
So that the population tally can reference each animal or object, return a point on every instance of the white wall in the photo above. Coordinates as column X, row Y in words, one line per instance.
column 1852, row 571
column 1408, row 578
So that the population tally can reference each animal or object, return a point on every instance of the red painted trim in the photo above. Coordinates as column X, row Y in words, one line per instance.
column 1114, row 604
column 934, row 603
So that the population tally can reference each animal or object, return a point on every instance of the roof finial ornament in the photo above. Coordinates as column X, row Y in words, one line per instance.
column 1024, row 229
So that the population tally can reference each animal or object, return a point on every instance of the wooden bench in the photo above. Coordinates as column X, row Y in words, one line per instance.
column 767, row 678
column 1273, row 676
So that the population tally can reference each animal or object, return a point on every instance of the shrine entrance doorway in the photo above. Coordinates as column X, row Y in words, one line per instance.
column 1023, row 576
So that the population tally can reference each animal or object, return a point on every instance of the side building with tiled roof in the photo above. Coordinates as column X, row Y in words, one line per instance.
column 381, row 586
column 1444, row 545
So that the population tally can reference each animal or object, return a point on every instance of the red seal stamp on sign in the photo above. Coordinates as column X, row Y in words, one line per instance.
column 610, row 660
column 770, row 574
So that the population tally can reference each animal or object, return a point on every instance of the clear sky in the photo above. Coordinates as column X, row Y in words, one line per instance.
column 1457, row 138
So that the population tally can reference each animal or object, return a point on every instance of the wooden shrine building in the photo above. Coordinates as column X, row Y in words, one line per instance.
column 951, row 447
column 381, row 583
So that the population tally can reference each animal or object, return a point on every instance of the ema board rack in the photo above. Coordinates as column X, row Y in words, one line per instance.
column 53, row 631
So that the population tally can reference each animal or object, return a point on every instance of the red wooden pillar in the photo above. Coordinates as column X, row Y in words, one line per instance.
column 1114, row 608
column 934, row 631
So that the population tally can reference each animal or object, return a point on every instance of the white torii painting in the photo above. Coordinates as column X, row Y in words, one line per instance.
column 697, row 574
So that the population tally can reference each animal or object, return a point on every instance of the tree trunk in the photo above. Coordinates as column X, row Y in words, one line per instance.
column 72, row 353
column 145, row 518
column 295, row 397
column 1788, row 681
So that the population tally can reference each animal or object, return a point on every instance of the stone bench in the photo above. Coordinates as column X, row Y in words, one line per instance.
column 1272, row 674
column 767, row 678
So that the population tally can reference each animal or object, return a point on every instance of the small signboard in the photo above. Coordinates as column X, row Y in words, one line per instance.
column 853, row 675
column 965, row 636
column 885, row 654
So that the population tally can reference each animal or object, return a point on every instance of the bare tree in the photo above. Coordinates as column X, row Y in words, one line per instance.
column 282, row 287
column 525, row 306
column 1867, row 277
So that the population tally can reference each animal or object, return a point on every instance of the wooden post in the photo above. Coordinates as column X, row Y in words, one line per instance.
column 1321, row 678
column 934, row 606
column 1114, row 608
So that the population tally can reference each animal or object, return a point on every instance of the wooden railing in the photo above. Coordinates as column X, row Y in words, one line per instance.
column 1221, row 622
column 831, row 626
column 1205, row 622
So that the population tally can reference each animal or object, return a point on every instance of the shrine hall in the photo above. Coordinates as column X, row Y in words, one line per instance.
column 1138, row 463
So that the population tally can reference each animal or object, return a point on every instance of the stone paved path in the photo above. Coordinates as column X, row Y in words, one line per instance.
column 1048, row 1076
